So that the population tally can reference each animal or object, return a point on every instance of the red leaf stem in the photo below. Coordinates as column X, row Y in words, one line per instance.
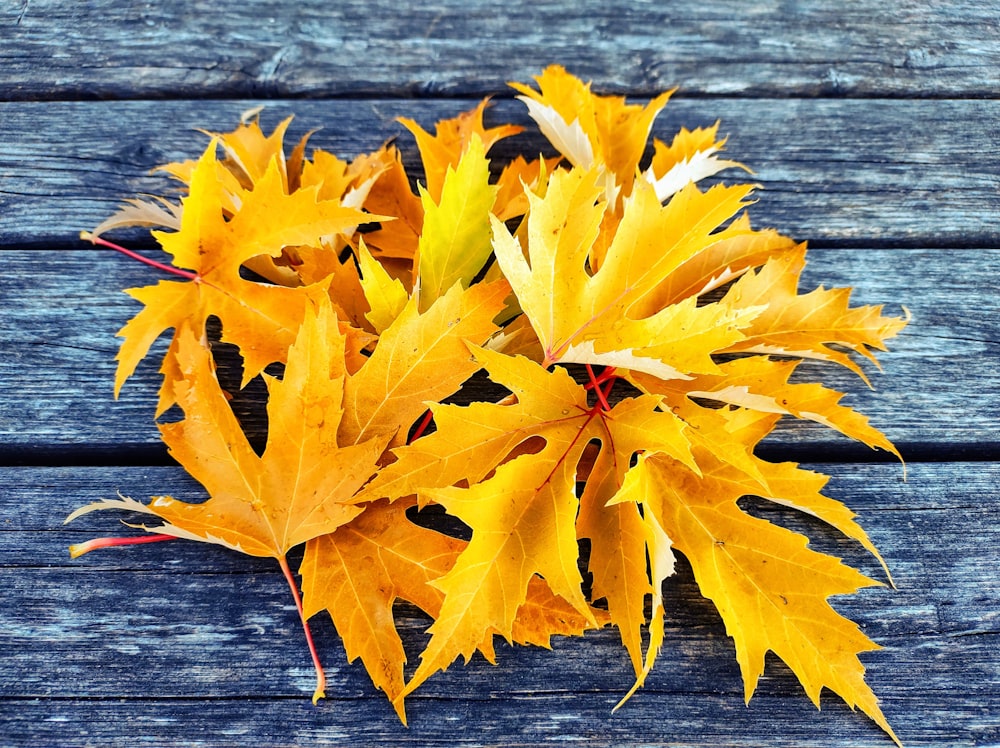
column 320, row 692
column 595, row 383
column 136, row 256
column 421, row 427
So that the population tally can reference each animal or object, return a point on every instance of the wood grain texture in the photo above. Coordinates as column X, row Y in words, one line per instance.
column 164, row 642
column 873, row 128
column 63, row 49
column 844, row 173
column 63, row 310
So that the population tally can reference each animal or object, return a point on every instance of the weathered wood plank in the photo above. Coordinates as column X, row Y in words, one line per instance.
column 857, row 173
column 177, row 643
column 62, row 310
column 540, row 718
column 182, row 642
column 459, row 48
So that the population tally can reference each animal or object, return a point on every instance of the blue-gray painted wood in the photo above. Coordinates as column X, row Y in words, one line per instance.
column 64, row 308
column 227, row 48
column 848, row 173
column 174, row 642
column 873, row 128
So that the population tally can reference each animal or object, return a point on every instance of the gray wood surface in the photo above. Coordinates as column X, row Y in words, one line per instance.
column 139, row 645
column 874, row 130
column 936, row 398
column 834, row 172
column 66, row 49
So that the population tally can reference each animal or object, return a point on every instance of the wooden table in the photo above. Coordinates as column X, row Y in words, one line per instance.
column 874, row 128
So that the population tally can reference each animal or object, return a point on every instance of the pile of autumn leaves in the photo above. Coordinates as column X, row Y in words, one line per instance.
column 643, row 336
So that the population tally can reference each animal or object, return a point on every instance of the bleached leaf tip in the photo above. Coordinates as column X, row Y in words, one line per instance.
column 78, row 549
column 251, row 115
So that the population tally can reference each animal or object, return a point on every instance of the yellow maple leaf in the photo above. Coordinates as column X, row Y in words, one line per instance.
column 622, row 543
column 248, row 157
column 769, row 587
column 761, row 384
column 260, row 319
column 591, row 131
column 455, row 242
column 810, row 325
column 600, row 315
column 419, row 358
column 523, row 523
column 299, row 488
column 521, row 503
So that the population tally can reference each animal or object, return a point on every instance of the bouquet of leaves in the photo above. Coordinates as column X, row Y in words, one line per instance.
column 639, row 336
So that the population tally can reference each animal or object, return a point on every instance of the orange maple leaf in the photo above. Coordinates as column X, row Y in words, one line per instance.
column 299, row 488
column 357, row 572
column 451, row 138
column 260, row 319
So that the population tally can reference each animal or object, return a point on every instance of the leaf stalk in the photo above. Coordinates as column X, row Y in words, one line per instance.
column 320, row 692
column 136, row 256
